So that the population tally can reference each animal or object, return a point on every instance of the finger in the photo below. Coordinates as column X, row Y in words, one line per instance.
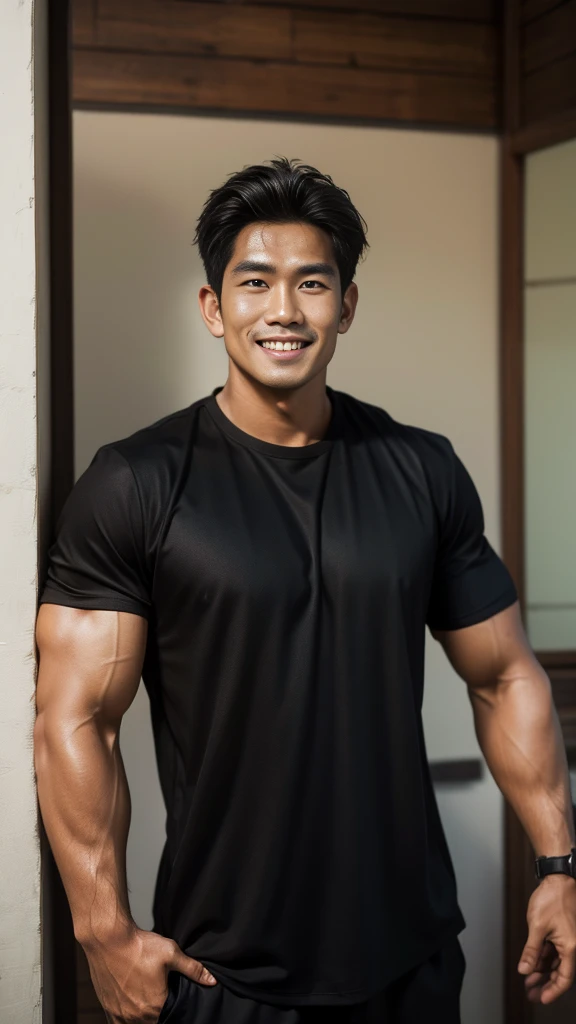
column 546, row 958
column 561, row 979
column 532, row 950
column 191, row 968
column 536, row 980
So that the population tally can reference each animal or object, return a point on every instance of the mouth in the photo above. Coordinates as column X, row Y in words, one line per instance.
column 283, row 348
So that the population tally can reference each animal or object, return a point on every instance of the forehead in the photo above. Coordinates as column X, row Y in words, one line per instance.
column 284, row 245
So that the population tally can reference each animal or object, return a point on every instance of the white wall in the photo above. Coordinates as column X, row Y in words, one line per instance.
column 20, row 999
column 550, row 341
column 424, row 346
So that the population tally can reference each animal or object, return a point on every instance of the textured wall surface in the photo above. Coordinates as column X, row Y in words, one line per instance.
column 19, row 846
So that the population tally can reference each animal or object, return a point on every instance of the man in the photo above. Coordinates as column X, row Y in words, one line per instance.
column 269, row 558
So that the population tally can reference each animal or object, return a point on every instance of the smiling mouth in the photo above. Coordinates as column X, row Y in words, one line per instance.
column 283, row 346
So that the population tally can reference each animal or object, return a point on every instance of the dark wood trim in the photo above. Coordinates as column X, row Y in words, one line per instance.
column 532, row 9
column 161, row 81
column 518, row 861
column 467, row 770
column 557, row 661
column 542, row 134
column 512, row 362
column 59, row 953
column 464, row 10
column 61, row 273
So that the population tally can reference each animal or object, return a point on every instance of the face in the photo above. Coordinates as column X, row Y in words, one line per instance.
column 281, row 308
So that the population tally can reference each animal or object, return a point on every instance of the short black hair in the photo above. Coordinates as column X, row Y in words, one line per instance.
column 279, row 191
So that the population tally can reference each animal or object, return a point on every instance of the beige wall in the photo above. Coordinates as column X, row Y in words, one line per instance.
column 424, row 346
column 20, row 999
column 550, row 339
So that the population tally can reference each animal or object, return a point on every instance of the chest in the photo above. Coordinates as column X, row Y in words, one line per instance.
column 348, row 525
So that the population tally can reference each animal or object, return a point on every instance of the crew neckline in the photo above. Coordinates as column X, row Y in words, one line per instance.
column 283, row 451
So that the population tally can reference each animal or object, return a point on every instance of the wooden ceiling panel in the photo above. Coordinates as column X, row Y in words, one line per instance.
column 463, row 10
column 219, row 30
column 530, row 9
column 159, row 80
column 550, row 38
column 83, row 21
column 551, row 91
column 355, row 40
column 364, row 40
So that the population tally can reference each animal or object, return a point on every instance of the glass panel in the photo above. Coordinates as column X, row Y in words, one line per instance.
column 550, row 397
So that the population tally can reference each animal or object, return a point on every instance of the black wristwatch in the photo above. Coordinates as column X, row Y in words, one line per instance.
column 556, row 865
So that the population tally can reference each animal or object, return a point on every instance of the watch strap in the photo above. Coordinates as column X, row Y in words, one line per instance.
column 556, row 865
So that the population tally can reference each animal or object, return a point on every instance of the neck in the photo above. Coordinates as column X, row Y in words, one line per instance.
column 290, row 417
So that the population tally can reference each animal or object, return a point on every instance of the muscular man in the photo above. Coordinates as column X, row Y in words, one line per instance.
column 268, row 559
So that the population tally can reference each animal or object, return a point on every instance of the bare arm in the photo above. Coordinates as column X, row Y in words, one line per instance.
column 90, row 665
column 519, row 733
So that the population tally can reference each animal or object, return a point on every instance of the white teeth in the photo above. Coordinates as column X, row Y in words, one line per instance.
column 282, row 346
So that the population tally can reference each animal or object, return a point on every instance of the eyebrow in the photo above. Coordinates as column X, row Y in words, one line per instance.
column 258, row 267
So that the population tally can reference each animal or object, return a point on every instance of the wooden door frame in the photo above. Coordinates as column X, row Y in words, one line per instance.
column 517, row 141
column 58, row 942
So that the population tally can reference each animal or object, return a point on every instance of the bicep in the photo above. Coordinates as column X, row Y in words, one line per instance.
column 494, row 650
column 90, row 662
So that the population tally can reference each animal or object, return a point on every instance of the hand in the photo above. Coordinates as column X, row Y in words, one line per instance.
column 129, row 972
column 548, row 960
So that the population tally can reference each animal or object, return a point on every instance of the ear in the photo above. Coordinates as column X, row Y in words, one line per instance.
column 349, row 303
column 210, row 310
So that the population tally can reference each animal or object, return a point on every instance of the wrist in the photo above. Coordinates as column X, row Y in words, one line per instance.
column 94, row 934
column 561, row 865
column 557, row 880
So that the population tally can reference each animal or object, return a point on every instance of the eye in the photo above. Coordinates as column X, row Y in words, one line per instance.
column 255, row 282
column 312, row 285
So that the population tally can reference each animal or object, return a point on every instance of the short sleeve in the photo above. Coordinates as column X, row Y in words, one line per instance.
column 470, row 582
column 98, row 559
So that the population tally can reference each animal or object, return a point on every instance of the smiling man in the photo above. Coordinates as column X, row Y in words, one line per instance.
column 268, row 559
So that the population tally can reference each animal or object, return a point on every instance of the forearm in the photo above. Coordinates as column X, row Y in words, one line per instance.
column 85, row 805
column 519, row 733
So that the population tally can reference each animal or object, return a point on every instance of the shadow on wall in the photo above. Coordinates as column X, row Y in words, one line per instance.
column 136, row 315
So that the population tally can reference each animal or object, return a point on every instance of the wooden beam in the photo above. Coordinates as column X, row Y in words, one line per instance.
column 550, row 91
column 83, row 21
column 531, row 9
column 518, row 865
column 160, row 81
column 542, row 134
column 549, row 39
column 204, row 29
column 307, row 36
column 364, row 40
column 463, row 10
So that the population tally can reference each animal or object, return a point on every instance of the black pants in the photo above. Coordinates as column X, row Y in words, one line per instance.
column 429, row 992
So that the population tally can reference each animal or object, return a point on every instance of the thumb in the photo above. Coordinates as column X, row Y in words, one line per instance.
column 191, row 968
column 532, row 951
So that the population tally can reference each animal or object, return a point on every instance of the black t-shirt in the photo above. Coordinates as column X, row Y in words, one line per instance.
column 287, row 591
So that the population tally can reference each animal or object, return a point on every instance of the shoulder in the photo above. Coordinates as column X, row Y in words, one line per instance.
column 155, row 452
column 432, row 450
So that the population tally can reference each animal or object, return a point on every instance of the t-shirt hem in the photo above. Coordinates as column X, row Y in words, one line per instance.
column 349, row 996
column 505, row 600
column 111, row 604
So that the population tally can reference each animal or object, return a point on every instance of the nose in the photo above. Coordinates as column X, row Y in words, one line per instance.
column 283, row 307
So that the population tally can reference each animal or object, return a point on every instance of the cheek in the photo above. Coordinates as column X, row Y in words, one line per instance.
column 246, row 309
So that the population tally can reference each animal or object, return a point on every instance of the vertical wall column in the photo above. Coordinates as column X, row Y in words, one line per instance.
column 20, row 974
